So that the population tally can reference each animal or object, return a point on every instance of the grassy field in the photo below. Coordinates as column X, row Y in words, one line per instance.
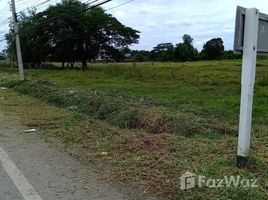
column 153, row 122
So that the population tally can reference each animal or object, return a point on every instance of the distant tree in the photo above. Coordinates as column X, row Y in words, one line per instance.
column 125, row 50
column 34, row 40
column 141, row 55
column 124, row 53
column 213, row 49
column 89, row 33
column 230, row 55
column 185, row 51
column 187, row 39
column 56, row 35
column 163, row 52
column 2, row 57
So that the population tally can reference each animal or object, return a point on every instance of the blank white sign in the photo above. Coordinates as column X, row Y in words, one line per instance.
column 262, row 33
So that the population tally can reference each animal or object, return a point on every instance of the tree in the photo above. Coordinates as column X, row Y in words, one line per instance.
column 90, row 33
column 34, row 41
column 163, row 52
column 185, row 51
column 213, row 49
column 187, row 39
column 83, row 35
column 2, row 56
column 230, row 55
column 10, row 50
column 141, row 56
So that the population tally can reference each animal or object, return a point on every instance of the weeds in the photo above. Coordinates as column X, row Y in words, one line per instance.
column 157, row 128
column 121, row 111
column 263, row 81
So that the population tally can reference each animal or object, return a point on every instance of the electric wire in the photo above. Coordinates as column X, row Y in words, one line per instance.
column 73, row 12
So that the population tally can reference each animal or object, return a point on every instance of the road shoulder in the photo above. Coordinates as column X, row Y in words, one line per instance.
column 53, row 173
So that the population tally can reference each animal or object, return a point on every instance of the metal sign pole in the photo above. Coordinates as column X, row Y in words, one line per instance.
column 247, row 81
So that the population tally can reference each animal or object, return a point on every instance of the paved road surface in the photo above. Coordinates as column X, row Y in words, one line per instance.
column 31, row 169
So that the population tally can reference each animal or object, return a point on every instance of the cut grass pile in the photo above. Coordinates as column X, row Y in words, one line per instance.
column 209, row 89
column 135, row 122
column 149, row 162
column 119, row 110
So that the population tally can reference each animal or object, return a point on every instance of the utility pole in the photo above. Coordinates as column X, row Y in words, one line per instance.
column 18, row 47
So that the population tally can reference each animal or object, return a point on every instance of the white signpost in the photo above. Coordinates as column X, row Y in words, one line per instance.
column 251, row 37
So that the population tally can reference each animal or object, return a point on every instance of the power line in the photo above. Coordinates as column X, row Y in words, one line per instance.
column 38, row 6
column 45, row 3
column 120, row 5
column 67, row 14
column 72, row 13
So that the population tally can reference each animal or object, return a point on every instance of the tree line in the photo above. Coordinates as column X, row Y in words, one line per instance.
column 185, row 51
column 69, row 32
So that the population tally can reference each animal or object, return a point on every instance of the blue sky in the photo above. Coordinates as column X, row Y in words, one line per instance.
column 167, row 20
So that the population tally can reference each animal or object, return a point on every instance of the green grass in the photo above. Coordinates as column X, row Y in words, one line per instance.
column 111, row 103
column 204, row 88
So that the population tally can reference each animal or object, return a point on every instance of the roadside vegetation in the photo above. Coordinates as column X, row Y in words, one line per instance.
column 146, row 124
column 73, row 31
column 68, row 32
column 143, row 124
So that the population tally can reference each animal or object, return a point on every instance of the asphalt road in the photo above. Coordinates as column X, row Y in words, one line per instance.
column 31, row 169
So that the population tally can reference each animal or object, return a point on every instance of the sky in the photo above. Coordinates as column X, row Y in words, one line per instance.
column 162, row 21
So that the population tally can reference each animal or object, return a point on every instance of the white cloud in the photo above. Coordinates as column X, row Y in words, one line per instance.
column 153, row 25
column 167, row 20
column 119, row 13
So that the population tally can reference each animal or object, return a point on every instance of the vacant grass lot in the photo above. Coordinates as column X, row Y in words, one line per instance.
column 199, row 87
column 155, row 121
